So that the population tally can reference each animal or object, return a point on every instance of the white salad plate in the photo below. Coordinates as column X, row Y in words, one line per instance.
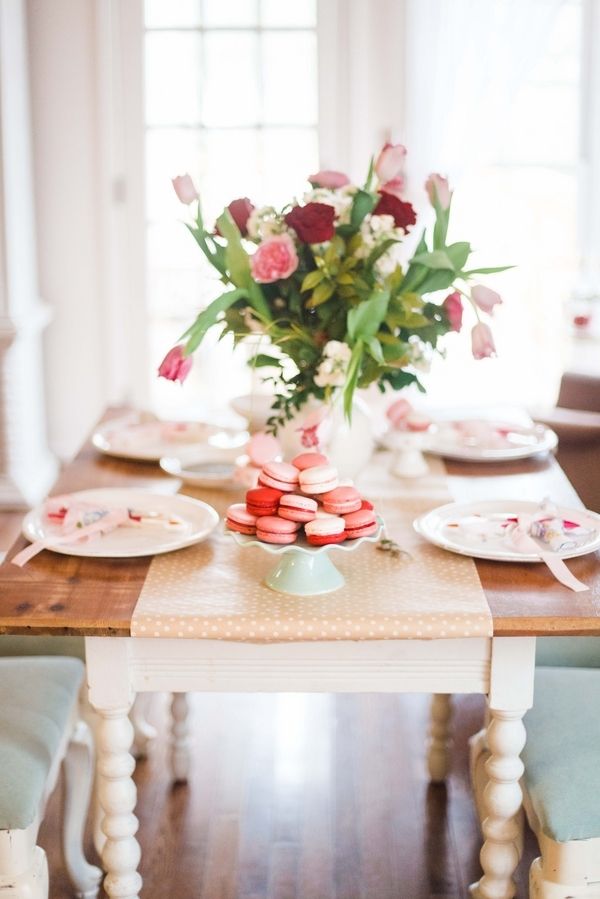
column 476, row 529
column 480, row 440
column 149, row 441
column 198, row 520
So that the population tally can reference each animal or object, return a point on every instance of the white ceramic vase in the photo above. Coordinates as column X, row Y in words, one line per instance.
column 348, row 445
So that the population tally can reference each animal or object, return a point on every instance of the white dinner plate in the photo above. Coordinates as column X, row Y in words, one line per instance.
column 210, row 471
column 149, row 441
column 478, row 440
column 455, row 527
column 128, row 542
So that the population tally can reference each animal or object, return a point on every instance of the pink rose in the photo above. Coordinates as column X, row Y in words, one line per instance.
column 185, row 189
column 482, row 342
column 175, row 366
column 390, row 162
column 485, row 298
column 453, row 308
column 395, row 186
column 275, row 258
column 437, row 186
column 327, row 178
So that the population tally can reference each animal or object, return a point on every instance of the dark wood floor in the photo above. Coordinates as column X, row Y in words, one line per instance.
column 304, row 797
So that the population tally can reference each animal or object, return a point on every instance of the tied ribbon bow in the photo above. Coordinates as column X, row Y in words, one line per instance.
column 518, row 534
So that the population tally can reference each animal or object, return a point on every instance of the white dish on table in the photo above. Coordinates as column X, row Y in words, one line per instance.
column 455, row 527
column 149, row 441
column 199, row 520
column 481, row 440
column 208, row 471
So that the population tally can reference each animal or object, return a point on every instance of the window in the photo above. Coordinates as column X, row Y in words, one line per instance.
column 224, row 103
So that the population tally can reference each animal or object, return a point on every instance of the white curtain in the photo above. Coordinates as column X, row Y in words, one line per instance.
column 465, row 59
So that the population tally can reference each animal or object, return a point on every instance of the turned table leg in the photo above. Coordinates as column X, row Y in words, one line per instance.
column 117, row 794
column 180, row 738
column 440, row 740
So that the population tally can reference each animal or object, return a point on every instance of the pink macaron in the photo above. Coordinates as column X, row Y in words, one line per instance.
column 272, row 529
column 320, row 479
column 342, row 500
column 323, row 531
column 280, row 475
column 309, row 460
column 361, row 524
column 297, row 508
column 240, row 520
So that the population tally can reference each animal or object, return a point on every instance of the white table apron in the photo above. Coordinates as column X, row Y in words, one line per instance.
column 500, row 667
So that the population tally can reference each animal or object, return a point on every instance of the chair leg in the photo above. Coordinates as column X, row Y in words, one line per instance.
column 23, row 865
column 143, row 731
column 78, row 767
column 440, row 739
column 180, row 738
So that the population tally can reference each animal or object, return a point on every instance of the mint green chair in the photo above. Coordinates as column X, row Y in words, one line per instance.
column 40, row 730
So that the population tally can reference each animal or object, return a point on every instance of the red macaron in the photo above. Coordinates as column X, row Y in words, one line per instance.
column 263, row 500
column 309, row 460
column 325, row 530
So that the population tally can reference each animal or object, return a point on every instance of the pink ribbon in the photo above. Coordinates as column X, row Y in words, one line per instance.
column 519, row 536
column 73, row 531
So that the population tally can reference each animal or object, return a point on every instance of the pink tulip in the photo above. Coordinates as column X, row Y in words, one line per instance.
column 185, row 189
column 175, row 366
column 395, row 186
column 390, row 162
column 275, row 259
column 437, row 186
column 482, row 342
column 330, row 179
column 485, row 298
column 453, row 308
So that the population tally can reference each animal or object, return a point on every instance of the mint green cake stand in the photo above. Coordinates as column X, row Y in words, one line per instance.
column 302, row 569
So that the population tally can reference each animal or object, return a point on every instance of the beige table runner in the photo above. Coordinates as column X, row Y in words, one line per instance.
column 214, row 590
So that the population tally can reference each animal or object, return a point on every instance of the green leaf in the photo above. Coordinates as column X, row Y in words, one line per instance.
column 458, row 254
column 208, row 317
column 365, row 319
column 311, row 280
column 262, row 360
column 352, row 377
column 320, row 295
column 362, row 205
column 238, row 261
column 486, row 271
column 435, row 259
column 436, row 279
column 374, row 348
column 369, row 178
column 379, row 251
column 440, row 229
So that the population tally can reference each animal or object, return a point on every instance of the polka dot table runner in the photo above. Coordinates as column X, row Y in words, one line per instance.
column 214, row 590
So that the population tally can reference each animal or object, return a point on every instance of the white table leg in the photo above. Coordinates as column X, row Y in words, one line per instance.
column 117, row 793
column 180, row 738
column 511, row 694
column 111, row 695
column 440, row 739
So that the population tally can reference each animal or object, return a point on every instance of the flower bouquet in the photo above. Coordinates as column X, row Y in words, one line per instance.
column 324, row 283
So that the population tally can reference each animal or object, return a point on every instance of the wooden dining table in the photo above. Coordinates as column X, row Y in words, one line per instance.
column 95, row 598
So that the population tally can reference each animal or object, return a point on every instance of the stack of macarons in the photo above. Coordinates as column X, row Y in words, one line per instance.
column 303, row 496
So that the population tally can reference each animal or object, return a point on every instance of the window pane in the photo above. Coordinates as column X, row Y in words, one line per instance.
column 172, row 13
column 288, row 157
column 229, row 13
column 173, row 78
column 289, row 78
column 289, row 13
column 230, row 79
column 170, row 152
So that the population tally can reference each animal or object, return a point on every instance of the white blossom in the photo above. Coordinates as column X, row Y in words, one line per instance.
column 334, row 365
column 420, row 354
column 265, row 222
column 340, row 198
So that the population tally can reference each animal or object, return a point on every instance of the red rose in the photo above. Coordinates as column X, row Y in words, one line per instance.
column 240, row 211
column 403, row 213
column 312, row 223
